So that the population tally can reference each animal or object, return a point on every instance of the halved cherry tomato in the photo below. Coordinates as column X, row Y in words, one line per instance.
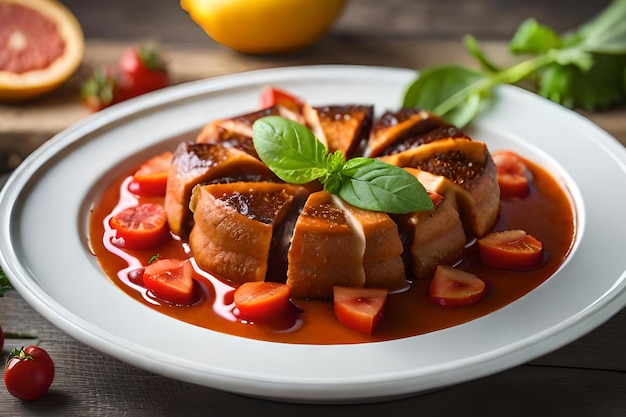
column 170, row 280
column 512, row 174
column 260, row 300
column 140, row 227
column 359, row 308
column 272, row 96
column 452, row 287
column 28, row 373
column 510, row 249
column 150, row 180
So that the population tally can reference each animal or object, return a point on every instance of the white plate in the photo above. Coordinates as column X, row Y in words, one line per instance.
column 44, row 209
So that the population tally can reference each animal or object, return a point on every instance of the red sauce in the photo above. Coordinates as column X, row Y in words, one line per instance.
column 28, row 40
column 547, row 213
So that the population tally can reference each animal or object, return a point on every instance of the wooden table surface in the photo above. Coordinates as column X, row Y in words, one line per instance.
column 585, row 378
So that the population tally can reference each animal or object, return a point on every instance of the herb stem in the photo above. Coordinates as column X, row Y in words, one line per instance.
column 510, row 75
column 20, row 334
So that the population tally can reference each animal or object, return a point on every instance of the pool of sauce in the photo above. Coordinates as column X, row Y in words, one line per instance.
column 547, row 213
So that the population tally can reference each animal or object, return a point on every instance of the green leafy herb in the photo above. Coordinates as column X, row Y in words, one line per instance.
column 5, row 285
column 295, row 155
column 584, row 68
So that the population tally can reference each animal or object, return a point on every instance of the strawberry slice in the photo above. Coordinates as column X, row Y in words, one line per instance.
column 358, row 308
column 453, row 287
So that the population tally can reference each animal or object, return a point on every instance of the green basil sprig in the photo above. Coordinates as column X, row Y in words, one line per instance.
column 582, row 68
column 296, row 156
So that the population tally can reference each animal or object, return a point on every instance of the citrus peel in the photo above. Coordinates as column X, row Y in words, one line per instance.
column 264, row 26
column 29, row 73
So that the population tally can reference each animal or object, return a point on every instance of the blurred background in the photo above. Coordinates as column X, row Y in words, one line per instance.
column 401, row 33
column 411, row 19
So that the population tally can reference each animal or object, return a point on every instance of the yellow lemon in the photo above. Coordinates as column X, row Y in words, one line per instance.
column 41, row 45
column 264, row 26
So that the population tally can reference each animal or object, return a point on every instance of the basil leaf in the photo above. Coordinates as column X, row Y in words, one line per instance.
column 289, row 149
column 372, row 184
column 450, row 91
column 534, row 38
column 332, row 179
column 293, row 153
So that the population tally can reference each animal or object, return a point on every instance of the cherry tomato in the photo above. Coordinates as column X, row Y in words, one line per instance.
column 360, row 309
column 452, row 287
column 28, row 372
column 143, row 69
column 260, row 300
column 272, row 96
column 510, row 249
column 512, row 174
column 150, row 180
column 140, row 227
column 170, row 280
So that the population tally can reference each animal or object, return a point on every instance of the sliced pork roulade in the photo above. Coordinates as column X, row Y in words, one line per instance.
column 344, row 128
column 434, row 237
column 236, row 131
column 398, row 131
column 235, row 224
column 464, row 172
column 326, row 249
column 382, row 259
column 195, row 163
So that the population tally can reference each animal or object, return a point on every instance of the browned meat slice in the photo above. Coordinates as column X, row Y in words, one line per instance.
column 236, row 132
column 326, row 249
column 434, row 237
column 344, row 128
column 234, row 226
column 464, row 172
column 195, row 163
column 398, row 131
column 382, row 260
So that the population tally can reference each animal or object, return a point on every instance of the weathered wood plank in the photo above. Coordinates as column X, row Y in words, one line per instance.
column 363, row 19
column 25, row 126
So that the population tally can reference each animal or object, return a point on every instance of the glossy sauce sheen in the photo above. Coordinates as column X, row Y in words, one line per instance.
column 408, row 313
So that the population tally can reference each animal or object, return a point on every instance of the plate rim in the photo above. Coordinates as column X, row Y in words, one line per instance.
column 315, row 390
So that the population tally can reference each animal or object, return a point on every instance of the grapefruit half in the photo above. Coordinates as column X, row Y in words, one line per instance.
column 41, row 46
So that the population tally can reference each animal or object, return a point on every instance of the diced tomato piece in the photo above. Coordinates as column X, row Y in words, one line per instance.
column 140, row 227
column 272, row 96
column 260, row 300
column 170, row 280
column 359, row 308
column 150, row 180
column 510, row 249
column 512, row 174
column 452, row 287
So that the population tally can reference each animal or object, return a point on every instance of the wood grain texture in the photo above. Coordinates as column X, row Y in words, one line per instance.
column 363, row 19
column 25, row 126
column 584, row 378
